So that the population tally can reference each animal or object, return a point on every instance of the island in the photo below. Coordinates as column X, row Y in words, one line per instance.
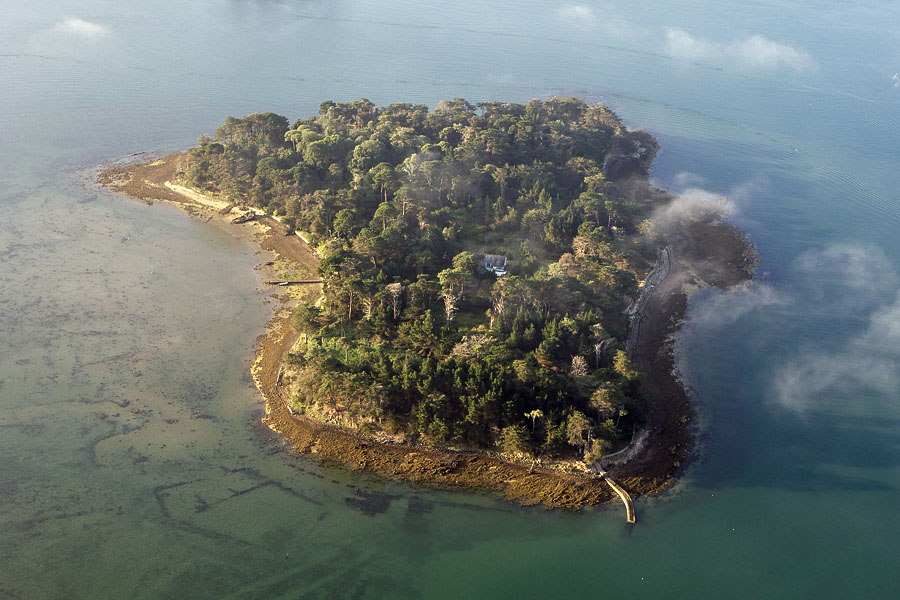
column 481, row 296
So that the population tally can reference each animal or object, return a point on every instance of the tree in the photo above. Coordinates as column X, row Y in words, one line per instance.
column 344, row 221
column 514, row 440
column 533, row 415
column 465, row 262
column 295, row 137
column 578, row 428
column 615, row 212
column 524, row 369
column 386, row 178
column 370, row 300
column 366, row 156
column 405, row 198
column 579, row 366
column 622, row 366
column 534, row 222
column 422, row 336
column 385, row 214
column 451, row 300
column 499, row 292
column 607, row 400
column 395, row 291
column 264, row 129
column 455, row 280
column 306, row 318
column 592, row 205
column 352, row 287
column 424, row 292
column 599, row 448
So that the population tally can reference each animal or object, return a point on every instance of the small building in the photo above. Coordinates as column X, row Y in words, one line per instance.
column 495, row 263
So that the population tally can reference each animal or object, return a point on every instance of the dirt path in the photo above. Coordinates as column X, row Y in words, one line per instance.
column 199, row 198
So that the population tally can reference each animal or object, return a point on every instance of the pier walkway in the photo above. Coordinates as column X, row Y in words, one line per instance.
column 626, row 499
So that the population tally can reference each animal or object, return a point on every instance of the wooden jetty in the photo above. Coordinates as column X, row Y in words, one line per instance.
column 626, row 499
column 289, row 282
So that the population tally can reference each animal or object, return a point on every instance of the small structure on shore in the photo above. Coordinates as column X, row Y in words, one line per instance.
column 292, row 282
column 247, row 216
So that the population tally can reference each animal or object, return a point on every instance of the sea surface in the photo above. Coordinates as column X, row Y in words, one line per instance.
column 132, row 463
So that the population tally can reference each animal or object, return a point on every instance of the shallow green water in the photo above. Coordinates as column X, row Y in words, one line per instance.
column 131, row 461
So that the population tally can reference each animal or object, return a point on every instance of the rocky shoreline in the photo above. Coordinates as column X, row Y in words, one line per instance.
column 699, row 253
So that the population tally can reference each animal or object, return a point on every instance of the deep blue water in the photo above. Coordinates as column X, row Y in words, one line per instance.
column 123, row 410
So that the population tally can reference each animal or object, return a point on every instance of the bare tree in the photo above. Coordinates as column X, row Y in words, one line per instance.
column 498, row 300
column 451, row 299
column 352, row 290
column 396, row 291
column 368, row 305
column 579, row 366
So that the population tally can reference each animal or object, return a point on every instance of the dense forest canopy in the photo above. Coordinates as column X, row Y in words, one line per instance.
column 421, row 332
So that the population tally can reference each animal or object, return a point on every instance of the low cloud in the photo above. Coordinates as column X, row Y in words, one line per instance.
column 686, row 179
column 883, row 333
column 606, row 22
column 80, row 27
column 868, row 362
column 759, row 52
column 754, row 52
column 693, row 204
column 576, row 14
column 855, row 265
column 727, row 307
column 865, row 269
column 801, row 382
column 681, row 44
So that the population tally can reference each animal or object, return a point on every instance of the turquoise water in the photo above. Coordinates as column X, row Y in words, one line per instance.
column 131, row 460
